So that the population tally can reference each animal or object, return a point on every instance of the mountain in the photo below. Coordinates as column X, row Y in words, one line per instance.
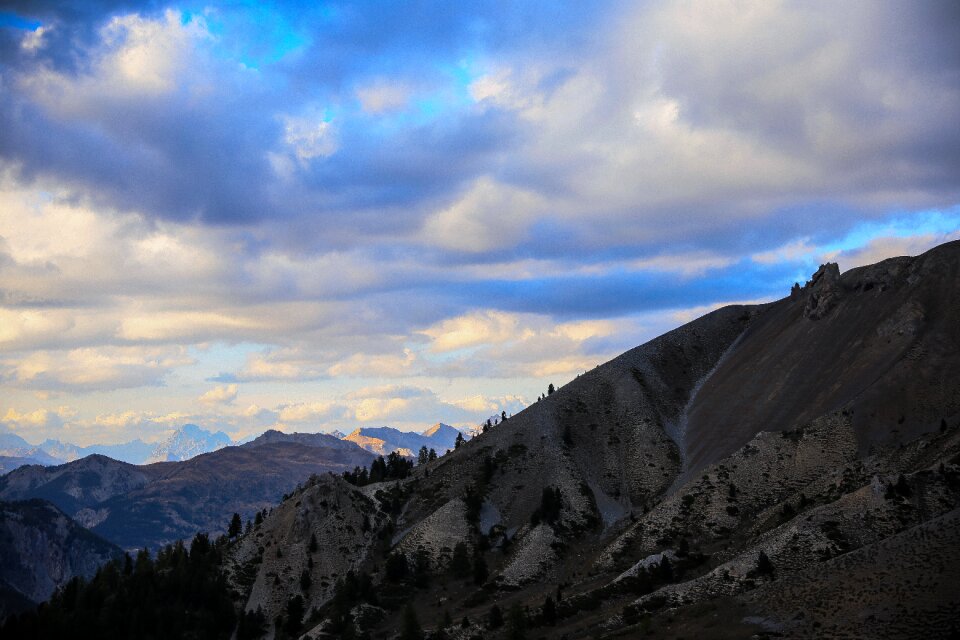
column 189, row 441
column 41, row 548
column 771, row 470
column 11, row 442
column 384, row 440
column 151, row 505
column 9, row 463
column 13, row 446
column 306, row 439
column 442, row 433
column 81, row 487
column 135, row 452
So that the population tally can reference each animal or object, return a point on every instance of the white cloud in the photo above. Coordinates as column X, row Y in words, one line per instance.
column 686, row 263
column 310, row 137
column 374, row 365
column 383, row 96
column 37, row 419
column 137, row 58
column 87, row 369
column 221, row 394
column 889, row 247
column 149, row 55
column 523, row 345
column 793, row 251
column 478, row 328
column 33, row 41
column 489, row 215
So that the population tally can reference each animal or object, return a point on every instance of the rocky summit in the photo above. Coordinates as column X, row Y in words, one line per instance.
column 785, row 470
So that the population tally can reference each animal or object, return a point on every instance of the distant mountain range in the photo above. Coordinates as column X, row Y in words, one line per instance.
column 191, row 440
column 385, row 440
column 150, row 505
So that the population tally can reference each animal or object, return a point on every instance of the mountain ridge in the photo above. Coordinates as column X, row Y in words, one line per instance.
column 581, row 496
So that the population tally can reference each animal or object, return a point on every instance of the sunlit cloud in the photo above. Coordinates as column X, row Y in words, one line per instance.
column 221, row 394
column 90, row 369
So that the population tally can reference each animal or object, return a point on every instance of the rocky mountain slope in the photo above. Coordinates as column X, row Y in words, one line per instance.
column 710, row 483
column 150, row 505
column 41, row 548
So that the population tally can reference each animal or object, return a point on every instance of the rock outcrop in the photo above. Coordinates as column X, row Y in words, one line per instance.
column 823, row 291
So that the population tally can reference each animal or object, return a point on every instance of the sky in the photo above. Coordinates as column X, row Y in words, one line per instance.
column 325, row 215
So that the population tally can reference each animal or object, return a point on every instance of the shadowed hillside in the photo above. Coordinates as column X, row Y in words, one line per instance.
column 801, row 431
column 41, row 549
column 151, row 505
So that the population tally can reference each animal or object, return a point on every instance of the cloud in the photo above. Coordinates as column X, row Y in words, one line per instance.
column 309, row 138
column 90, row 369
column 366, row 365
column 497, row 344
column 890, row 247
column 39, row 419
column 487, row 216
column 221, row 394
column 471, row 330
column 382, row 96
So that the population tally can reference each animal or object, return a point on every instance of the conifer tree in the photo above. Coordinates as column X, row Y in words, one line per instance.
column 236, row 526
column 410, row 626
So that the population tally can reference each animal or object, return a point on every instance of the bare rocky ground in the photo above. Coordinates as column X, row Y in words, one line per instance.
column 797, row 464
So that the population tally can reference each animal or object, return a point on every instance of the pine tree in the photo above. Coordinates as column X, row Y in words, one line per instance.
column 460, row 562
column 295, row 611
column 495, row 618
column 665, row 570
column 432, row 455
column 236, row 526
column 423, row 455
column 764, row 565
column 396, row 567
column 516, row 623
column 550, row 389
column 459, row 441
column 549, row 613
column 421, row 568
column 410, row 626
column 480, row 571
